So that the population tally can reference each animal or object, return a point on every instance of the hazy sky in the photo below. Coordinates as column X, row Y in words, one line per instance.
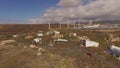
column 22, row 10
column 40, row 11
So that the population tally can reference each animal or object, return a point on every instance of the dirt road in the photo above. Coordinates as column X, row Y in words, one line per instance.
column 98, row 57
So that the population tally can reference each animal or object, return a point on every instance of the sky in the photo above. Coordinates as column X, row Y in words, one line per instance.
column 22, row 10
column 42, row 11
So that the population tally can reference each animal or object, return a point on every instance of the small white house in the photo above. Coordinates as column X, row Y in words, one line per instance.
column 88, row 43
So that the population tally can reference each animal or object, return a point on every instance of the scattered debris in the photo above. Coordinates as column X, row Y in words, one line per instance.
column 37, row 41
column 14, row 36
column 73, row 34
column 41, row 49
column 24, row 46
column 38, row 54
column 115, row 39
column 40, row 33
column 7, row 47
column 56, row 32
column 114, row 50
column 50, row 44
column 49, row 33
column 83, row 38
column 58, row 36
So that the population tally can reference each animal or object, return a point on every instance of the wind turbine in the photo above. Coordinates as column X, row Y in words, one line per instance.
column 90, row 22
column 47, row 17
column 49, row 24
column 68, row 24
column 33, row 21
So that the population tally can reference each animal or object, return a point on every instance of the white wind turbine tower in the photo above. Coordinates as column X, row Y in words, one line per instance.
column 49, row 24
column 68, row 24
column 90, row 22
column 34, row 21
column 59, row 19
column 47, row 17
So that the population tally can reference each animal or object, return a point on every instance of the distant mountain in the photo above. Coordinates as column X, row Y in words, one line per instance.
column 9, row 21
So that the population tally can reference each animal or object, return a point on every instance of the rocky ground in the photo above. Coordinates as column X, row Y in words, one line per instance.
column 13, row 56
column 17, row 52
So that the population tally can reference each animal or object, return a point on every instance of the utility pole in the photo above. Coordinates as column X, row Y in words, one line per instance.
column 60, row 25
column 68, row 25
column 90, row 22
column 74, row 25
column 49, row 25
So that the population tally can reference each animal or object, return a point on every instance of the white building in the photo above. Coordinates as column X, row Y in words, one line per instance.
column 88, row 43
column 92, row 26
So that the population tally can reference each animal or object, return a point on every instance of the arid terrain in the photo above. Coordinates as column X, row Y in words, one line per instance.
column 19, row 54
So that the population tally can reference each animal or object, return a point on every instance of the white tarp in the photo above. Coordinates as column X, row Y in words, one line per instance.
column 37, row 40
column 91, row 44
column 39, row 34
column 60, row 40
column 56, row 32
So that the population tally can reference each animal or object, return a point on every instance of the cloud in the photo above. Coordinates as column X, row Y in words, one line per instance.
column 69, row 3
column 84, row 10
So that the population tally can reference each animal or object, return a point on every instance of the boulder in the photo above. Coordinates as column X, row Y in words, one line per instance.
column 24, row 46
column 50, row 44
column 29, row 37
column 115, row 39
column 7, row 41
column 14, row 36
column 38, row 54
column 33, row 46
column 41, row 49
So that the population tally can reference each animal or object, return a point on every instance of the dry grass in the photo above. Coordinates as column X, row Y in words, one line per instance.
column 62, row 55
